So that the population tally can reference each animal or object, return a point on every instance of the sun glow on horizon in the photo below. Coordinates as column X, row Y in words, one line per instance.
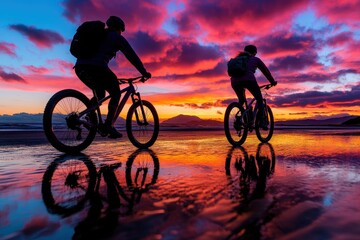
column 311, row 50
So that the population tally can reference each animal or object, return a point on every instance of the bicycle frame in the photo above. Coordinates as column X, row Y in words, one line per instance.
column 248, row 105
column 129, row 91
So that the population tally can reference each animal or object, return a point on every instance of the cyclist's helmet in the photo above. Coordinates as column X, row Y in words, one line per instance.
column 116, row 23
column 251, row 49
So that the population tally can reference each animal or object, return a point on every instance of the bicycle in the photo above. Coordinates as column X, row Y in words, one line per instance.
column 239, row 120
column 72, row 180
column 71, row 120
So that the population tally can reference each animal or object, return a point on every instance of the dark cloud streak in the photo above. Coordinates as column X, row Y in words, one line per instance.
column 11, row 77
column 41, row 38
column 317, row 98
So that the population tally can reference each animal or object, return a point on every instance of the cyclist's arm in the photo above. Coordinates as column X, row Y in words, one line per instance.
column 266, row 71
column 130, row 54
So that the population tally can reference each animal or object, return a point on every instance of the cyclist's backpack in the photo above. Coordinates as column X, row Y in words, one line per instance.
column 237, row 66
column 87, row 39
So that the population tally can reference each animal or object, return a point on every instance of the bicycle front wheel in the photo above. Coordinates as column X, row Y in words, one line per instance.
column 142, row 169
column 235, row 124
column 142, row 124
column 265, row 155
column 62, row 124
column 265, row 130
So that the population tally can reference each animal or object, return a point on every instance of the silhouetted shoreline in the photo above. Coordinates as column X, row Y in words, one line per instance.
column 33, row 137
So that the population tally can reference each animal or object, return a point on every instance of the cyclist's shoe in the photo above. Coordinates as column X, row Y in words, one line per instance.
column 113, row 133
column 108, row 130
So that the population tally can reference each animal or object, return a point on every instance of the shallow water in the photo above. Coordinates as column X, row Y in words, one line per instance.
column 304, row 185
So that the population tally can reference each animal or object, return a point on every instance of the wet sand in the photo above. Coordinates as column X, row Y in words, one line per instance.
column 304, row 185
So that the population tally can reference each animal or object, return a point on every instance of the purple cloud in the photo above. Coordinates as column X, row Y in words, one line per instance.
column 296, row 62
column 41, row 38
column 10, row 77
column 316, row 98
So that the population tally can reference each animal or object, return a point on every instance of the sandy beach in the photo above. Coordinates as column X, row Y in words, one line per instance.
column 303, row 185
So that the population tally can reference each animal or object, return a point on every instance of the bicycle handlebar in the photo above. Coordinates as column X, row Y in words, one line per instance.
column 131, row 80
column 267, row 86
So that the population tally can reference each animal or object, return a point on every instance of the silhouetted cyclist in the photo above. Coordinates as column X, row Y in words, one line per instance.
column 95, row 73
column 248, row 80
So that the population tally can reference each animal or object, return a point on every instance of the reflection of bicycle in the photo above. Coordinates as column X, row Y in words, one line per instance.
column 71, row 120
column 239, row 120
column 239, row 164
column 247, row 175
column 70, row 181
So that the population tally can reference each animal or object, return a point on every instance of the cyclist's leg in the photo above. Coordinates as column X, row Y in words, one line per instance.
column 90, row 76
column 111, row 85
column 239, row 88
column 113, row 88
column 254, row 89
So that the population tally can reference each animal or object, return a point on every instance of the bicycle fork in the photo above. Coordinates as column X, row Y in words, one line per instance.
column 136, row 98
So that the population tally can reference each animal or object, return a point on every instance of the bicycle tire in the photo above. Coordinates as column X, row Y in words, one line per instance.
column 143, row 159
column 266, row 150
column 142, row 136
column 64, row 104
column 235, row 161
column 236, row 137
column 262, row 134
column 67, row 184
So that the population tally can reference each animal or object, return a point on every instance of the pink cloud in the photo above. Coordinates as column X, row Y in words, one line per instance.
column 341, row 39
column 344, row 12
column 137, row 14
column 7, row 48
column 38, row 70
column 41, row 38
column 224, row 21
column 62, row 66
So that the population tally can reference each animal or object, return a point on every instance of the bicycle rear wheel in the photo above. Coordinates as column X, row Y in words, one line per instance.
column 142, row 127
column 67, row 184
column 264, row 134
column 235, row 162
column 62, row 125
column 235, row 125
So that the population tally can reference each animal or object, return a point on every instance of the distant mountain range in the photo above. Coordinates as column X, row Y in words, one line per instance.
column 25, row 120
column 185, row 121
column 338, row 121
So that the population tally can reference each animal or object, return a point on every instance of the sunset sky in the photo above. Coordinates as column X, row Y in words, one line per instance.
column 312, row 49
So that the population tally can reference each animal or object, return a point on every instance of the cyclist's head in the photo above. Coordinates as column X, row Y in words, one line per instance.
column 251, row 49
column 116, row 23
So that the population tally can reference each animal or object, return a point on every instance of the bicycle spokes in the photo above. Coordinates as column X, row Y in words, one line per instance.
column 142, row 124
column 235, row 124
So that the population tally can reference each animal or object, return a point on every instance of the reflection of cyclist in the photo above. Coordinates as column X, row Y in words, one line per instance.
column 96, row 74
column 248, row 80
column 251, row 168
column 101, row 223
